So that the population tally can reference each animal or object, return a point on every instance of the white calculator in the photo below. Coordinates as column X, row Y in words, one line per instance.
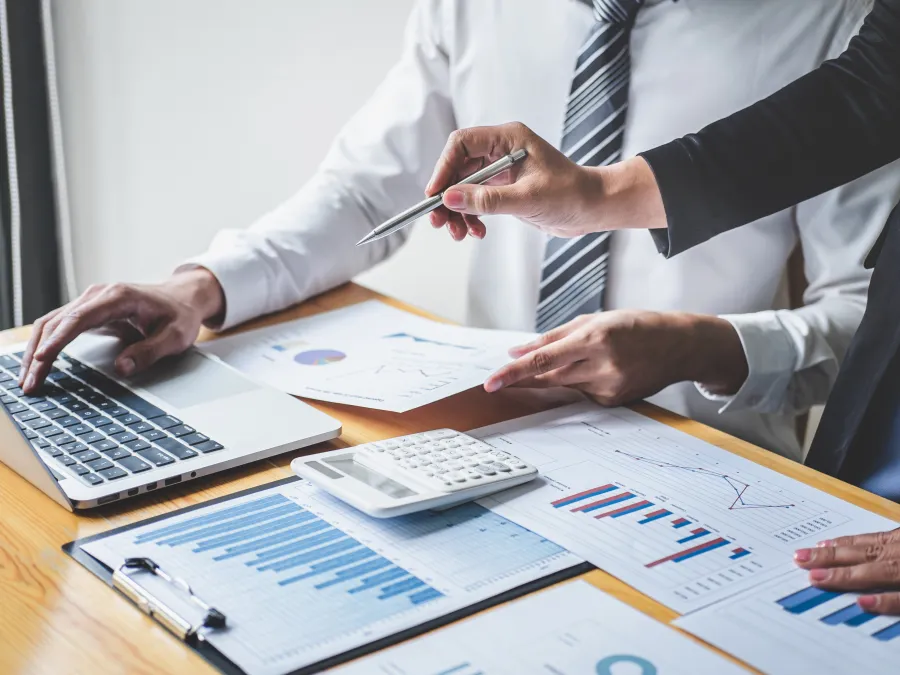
column 431, row 470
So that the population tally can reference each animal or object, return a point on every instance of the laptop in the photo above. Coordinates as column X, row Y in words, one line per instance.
column 91, row 438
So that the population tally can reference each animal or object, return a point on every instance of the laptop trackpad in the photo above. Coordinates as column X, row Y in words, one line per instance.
column 191, row 379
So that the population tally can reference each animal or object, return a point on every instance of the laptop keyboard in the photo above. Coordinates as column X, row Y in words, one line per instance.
column 94, row 428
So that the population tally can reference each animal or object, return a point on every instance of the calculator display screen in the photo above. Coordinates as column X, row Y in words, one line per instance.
column 375, row 480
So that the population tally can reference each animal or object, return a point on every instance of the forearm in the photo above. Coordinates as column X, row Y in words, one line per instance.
column 830, row 126
column 712, row 353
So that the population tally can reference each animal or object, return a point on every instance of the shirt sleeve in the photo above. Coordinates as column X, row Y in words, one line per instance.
column 378, row 166
column 794, row 355
column 827, row 128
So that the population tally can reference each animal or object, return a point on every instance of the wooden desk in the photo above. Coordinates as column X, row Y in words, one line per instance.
column 55, row 617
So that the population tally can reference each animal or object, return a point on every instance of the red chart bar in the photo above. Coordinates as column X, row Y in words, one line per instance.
column 625, row 509
column 603, row 502
column 571, row 499
column 715, row 543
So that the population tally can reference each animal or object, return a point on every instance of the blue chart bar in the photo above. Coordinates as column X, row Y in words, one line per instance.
column 266, row 542
column 656, row 515
column 695, row 534
column 680, row 522
column 852, row 615
column 312, row 556
column 345, row 575
column 587, row 494
column 219, row 516
column 400, row 587
column 739, row 553
column 251, row 533
column 888, row 633
column 808, row 598
column 424, row 596
column 232, row 525
column 328, row 535
column 378, row 579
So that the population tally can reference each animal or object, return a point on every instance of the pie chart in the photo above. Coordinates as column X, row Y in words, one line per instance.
column 319, row 357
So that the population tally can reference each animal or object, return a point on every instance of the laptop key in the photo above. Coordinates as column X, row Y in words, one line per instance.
column 53, row 452
column 155, row 456
column 99, row 465
column 193, row 439
column 153, row 434
column 208, row 446
column 65, row 460
column 101, row 421
column 180, row 450
column 27, row 416
column 104, row 445
column 181, row 430
column 79, row 429
column 136, row 445
column 85, row 455
column 92, row 437
column 133, row 464
column 44, row 406
column 123, row 437
column 129, row 419
column 113, row 473
column 8, row 400
column 7, row 361
column 166, row 422
column 56, row 413
column 50, row 432
column 73, row 448
column 92, row 478
column 87, row 414
column 112, row 430
column 68, row 421
column 5, row 377
column 116, row 411
column 80, row 469
column 122, row 395
column 29, row 434
column 40, row 442
column 14, row 391
column 38, row 423
column 140, row 427
column 62, row 439
column 117, row 453
column 16, row 407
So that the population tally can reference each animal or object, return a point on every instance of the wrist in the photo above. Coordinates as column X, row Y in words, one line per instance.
column 198, row 288
column 626, row 195
column 717, row 361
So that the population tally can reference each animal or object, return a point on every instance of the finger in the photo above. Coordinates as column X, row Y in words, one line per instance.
column 457, row 227
column 842, row 556
column 545, row 339
column 567, row 376
column 475, row 226
column 488, row 199
column 882, row 574
column 490, row 143
column 882, row 603
column 882, row 538
column 440, row 217
column 538, row 362
column 169, row 340
column 37, row 332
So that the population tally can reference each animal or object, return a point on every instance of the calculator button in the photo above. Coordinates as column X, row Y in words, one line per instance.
column 500, row 455
column 500, row 466
column 473, row 475
column 439, row 434
column 520, row 465
column 486, row 470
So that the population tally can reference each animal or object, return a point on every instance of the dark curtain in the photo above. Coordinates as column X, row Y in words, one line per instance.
column 37, row 289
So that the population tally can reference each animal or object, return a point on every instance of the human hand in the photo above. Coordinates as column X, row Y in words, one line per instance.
column 866, row 562
column 546, row 189
column 158, row 320
column 624, row 355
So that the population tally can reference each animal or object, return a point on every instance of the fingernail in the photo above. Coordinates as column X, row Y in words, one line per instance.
column 455, row 199
column 819, row 575
column 126, row 366
column 492, row 385
column 867, row 601
column 825, row 544
column 803, row 555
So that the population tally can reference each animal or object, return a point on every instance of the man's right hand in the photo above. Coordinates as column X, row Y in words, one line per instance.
column 157, row 320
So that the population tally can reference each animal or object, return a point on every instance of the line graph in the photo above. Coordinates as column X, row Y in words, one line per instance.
column 739, row 486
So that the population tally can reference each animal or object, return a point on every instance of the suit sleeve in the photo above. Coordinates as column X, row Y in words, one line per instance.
column 827, row 128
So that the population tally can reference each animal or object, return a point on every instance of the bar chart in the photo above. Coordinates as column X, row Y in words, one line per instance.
column 302, row 576
column 785, row 626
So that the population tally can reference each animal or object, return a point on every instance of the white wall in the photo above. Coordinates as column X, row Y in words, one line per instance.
column 182, row 117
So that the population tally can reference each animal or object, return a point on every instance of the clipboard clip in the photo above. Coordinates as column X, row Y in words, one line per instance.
column 156, row 609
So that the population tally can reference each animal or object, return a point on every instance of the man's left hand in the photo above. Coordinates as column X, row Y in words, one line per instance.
column 863, row 563
column 624, row 355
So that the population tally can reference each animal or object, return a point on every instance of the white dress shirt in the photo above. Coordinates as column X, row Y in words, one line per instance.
column 479, row 62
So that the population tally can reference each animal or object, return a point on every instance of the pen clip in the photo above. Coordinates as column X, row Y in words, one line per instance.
column 156, row 609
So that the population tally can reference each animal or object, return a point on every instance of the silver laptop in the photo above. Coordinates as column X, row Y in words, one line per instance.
column 91, row 438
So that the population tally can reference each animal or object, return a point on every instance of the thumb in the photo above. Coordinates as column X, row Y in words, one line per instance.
column 141, row 355
column 484, row 199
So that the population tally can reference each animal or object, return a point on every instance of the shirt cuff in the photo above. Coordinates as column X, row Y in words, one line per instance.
column 241, row 281
column 771, row 360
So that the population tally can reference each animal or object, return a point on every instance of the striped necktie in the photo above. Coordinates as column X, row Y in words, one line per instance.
column 573, row 275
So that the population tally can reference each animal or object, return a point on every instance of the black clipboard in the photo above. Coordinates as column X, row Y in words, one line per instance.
column 218, row 660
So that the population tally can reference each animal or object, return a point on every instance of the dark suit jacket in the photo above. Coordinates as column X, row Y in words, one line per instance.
column 825, row 129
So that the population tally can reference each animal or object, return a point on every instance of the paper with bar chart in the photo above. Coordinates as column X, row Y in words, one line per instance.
column 302, row 577
column 786, row 627
column 370, row 354
column 681, row 520
column 570, row 629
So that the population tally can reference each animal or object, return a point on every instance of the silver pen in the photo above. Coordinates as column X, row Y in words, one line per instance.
column 413, row 213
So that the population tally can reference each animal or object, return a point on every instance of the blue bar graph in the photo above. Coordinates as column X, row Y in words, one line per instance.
column 888, row 633
column 695, row 534
column 400, row 587
column 852, row 615
column 808, row 598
